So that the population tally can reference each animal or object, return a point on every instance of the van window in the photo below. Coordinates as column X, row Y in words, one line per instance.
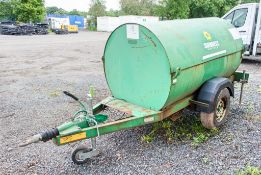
column 240, row 17
column 237, row 17
column 230, row 16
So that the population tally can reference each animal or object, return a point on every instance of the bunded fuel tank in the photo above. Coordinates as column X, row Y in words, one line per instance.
column 157, row 64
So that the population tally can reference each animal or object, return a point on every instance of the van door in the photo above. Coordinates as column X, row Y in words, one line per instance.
column 243, row 18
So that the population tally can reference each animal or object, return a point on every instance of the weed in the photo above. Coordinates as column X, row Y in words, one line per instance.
column 184, row 129
column 92, row 28
column 150, row 137
column 200, row 138
column 54, row 94
column 249, row 111
column 250, row 108
column 205, row 160
column 50, row 31
column 249, row 170
column 166, row 125
column 147, row 138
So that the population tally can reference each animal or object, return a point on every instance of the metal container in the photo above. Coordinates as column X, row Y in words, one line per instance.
column 107, row 23
column 157, row 64
column 77, row 20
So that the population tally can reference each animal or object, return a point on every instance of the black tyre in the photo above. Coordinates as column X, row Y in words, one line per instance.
column 221, row 111
column 76, row 154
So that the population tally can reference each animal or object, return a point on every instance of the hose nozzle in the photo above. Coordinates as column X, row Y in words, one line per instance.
column 45, row 136
column 34, row 139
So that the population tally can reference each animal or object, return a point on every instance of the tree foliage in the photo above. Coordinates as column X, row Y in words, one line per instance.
column 114, row 13
column 22, row 10
column 173, row 9
column 76, row 12
column 207, row 8
column 60, row 11
column 29, row 10
column 138, row 7
column 34, row 11
column 97, row 8
column 6, row 10
column 55, row 10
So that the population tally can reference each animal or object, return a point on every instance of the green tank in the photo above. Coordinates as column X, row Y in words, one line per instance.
column 157, row 64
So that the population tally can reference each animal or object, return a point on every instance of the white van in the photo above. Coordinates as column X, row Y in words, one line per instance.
column 246, row 18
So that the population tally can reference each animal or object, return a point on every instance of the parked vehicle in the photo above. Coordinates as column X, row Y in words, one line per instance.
column 66, row 29
column 71, row 28
column 246, row 18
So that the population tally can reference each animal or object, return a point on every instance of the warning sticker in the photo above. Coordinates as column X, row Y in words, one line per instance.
column 235, row 34
column 72, row 138
column 133, row 31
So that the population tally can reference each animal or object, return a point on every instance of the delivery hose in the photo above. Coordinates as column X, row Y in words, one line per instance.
column 44, row 136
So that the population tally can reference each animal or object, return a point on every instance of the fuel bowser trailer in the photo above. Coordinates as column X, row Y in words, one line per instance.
column 154, row 71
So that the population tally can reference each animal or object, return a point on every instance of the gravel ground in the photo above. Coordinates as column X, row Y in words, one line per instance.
column 34, row 70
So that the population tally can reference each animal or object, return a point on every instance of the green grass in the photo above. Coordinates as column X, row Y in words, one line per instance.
column 50, row 31
column 249, row 170
column 186, row 129
column 92, row 28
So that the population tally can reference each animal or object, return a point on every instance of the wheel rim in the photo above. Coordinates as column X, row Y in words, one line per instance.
column 221, row 110
column 78, row 156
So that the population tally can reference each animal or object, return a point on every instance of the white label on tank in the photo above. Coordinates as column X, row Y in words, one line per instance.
column 133, row 31
column 214, row 54
column 211, row 45
column 235, row 34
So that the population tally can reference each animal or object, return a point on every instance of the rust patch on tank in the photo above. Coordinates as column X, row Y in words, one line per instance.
column 130, row 109
column 150, row 39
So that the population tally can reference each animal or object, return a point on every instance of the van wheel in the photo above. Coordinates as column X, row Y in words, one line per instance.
column 221, row 110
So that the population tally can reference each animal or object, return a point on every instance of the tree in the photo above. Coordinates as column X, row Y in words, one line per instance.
column 173, row 9
column 138, row 7
column 114, row 13
column 29, row 10
column 55, row 10
column 6, row 10
column 97, row 8
column 76, row 12
column 207, row 8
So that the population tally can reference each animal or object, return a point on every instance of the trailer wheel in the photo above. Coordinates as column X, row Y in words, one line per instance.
column 221, row 110
column 79, row 154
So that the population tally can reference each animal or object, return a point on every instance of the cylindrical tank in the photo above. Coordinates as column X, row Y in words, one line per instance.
column 158, row 64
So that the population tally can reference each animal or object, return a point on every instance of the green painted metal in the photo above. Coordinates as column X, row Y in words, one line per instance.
column 238, row 76
column 158, row 64
column 139, row 116
column 80, row 122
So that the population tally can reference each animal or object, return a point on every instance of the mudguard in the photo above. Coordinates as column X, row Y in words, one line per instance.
column 209, row 91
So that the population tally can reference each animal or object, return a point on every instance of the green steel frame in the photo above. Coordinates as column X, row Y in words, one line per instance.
column 137, row 116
